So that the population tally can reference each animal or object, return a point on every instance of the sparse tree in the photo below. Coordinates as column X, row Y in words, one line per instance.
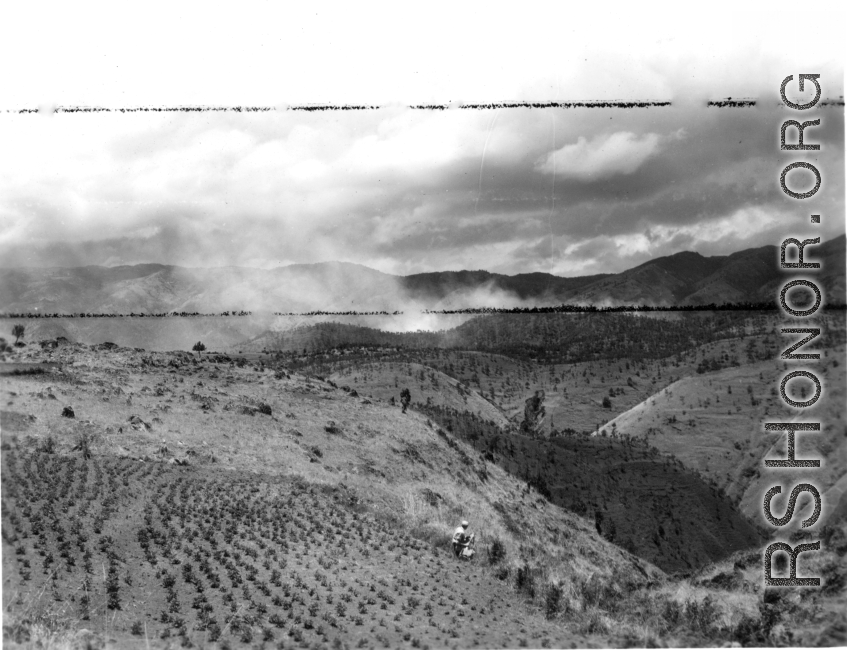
column 199, row 347
column 18, row 332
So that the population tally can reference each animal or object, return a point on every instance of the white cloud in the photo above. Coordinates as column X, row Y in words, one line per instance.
column 606, row 155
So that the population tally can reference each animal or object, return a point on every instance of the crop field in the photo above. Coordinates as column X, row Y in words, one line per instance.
column 164, row 552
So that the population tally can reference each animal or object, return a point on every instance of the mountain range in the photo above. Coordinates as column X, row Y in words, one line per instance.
column 685, row 278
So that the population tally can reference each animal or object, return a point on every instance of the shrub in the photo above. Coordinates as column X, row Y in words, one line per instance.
column 553, row 600
column 137, row 628
column 496, row 551
column 214, row 632
column 525, row 581
column 757, row 631
column 264, row 409
column 672, row 612
column 595, row 623
column 83, row 444
column 702, row 616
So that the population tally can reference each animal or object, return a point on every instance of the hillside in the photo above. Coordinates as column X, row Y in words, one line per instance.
column 542, row 338
column 637, row 499
column 384, row 381
column 184, row 463
column 190, row 398
column 690, row 279
column 447, row 289
column 685, row 278
column 156, row 288
column 616, row 361
column 192, row 498
column 712, row 422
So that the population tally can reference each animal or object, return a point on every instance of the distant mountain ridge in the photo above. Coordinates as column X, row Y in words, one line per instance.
column 685, row 278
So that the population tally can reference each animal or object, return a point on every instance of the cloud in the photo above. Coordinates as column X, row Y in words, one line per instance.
column 604, row 155
column 404, row 191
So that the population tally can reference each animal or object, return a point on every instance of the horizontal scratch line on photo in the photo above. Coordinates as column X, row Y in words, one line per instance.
column 338, row 107
column 557, row 309
column 729, row 102
column 722, row 103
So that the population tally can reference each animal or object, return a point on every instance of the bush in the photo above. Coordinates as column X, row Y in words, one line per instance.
column 496, row 551
column 553, row 600
column 672, row 612
column 594, row 623
column 525, row 581
column 263, row 408
column 48, row 446
column 83, row 444
column 757, row 631
column 702, row 616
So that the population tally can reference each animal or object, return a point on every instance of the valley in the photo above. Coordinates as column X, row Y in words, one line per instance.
column 274, row 489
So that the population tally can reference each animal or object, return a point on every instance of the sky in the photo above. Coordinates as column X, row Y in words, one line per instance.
column 511, row 190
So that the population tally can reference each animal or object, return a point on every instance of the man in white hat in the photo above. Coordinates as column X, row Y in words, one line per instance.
column 462, row 541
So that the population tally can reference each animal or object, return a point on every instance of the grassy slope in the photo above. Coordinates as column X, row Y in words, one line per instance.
column 386, row 380
column 398, row 466
column 390, row 470
column 636, row 498
column 681, row 411
column 573, row 393
column 711, row 424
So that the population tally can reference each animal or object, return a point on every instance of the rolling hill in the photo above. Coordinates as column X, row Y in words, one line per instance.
column 228, row 501
column 639, row 500
column 713, row 423
column 685, row 278
column 153, row 498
